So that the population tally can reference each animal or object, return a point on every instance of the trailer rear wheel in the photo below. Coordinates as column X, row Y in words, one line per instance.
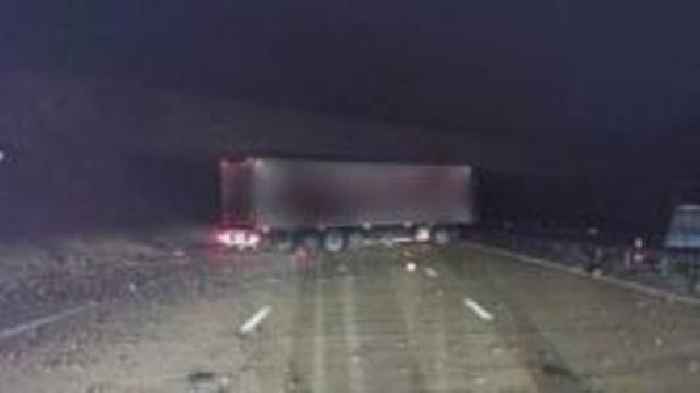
column 334, row 241
column 423, row 233
column 312, row 242
column 284, row 243
column 442, row 236
column 355, row 240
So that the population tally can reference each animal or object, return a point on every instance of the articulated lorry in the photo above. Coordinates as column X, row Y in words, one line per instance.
column 286, row 202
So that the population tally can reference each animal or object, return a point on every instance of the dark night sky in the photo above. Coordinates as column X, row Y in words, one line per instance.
column 612, row 83
column 552, row 67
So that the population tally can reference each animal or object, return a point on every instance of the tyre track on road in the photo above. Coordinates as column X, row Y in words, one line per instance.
column 537, row 355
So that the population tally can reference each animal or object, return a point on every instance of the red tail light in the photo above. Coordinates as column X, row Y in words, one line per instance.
column 239, row 238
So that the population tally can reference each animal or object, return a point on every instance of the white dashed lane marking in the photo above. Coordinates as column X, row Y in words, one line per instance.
column 477, row 309
column 252, row 323
column 319, row 357
column 357, row 376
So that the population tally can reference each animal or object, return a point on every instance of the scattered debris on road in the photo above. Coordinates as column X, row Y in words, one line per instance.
column 497, row 351
column 179, row 254
column 430, row 272
column 251, row 324
column 694, row 367
column 202, row 358
column 607, row 362
column 597, row 273
column 207, row 382
column 658, row 341
column 478, row 310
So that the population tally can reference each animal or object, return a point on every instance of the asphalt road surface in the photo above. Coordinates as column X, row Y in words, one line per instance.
column 411, row 319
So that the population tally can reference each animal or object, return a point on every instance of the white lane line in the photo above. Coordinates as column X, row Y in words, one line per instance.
column 318, row 380
column 430, row 272
column 251, row 324
column 442, row 361
column 7, row 333
column 630, row 285
column 357, row 377
column 477, row 309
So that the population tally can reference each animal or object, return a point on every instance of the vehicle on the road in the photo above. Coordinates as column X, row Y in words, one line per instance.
column 681, row 245
column 284, row 202
column 684, row 229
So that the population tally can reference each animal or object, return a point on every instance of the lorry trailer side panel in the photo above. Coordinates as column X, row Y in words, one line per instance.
column 289, row 194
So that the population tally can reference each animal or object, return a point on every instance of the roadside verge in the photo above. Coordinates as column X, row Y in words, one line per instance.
column 548, row 264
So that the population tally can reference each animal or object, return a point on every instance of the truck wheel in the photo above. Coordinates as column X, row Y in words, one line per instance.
column 334, row 241
column 355, row 240
column 311, row 242
column 442, row 236
column 284, row 243
column 422, row 234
